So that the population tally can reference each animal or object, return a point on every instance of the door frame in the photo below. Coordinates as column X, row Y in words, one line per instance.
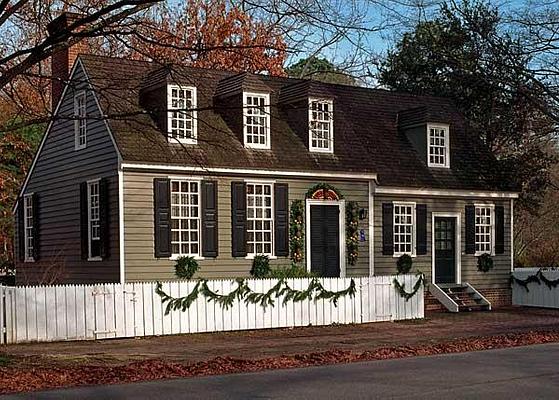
column 457, row 245
column 341, row 221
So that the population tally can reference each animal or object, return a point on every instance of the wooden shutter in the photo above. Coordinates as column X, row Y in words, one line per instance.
column 499, row 229
column 421, row 229
column 209, row 219
column 84, row 237
column 21, row 228
column 36, row 222
column 238, row 219
column 281, row 219
column 162, row 217
column 470, row 229
column 104, row 217
column 387, row 229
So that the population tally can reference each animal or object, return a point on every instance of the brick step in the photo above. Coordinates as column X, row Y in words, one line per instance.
column 476, row 307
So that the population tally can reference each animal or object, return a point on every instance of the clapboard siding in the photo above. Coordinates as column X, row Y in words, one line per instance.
column 496, row 278
column 56, row 177
column 141, row 265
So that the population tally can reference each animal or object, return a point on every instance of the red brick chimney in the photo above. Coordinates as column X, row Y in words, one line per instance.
column 63, row 59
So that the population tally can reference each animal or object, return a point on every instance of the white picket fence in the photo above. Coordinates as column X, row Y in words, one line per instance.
column 78, row 312
column 537, row 295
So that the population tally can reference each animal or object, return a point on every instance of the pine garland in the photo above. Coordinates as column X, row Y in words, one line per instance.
column 538, row 278
column 401, row 287
column 297, row 231
column 315, row 291
column 352, row 234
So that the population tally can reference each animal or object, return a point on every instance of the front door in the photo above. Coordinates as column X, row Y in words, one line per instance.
column 445, row 250
column 325, row 240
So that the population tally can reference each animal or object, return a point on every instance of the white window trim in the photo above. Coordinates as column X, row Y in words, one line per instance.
column 26, row 227
column 267, row 145
column 81, row 94
column 330, row 148
column 446, row 129
column 491, row 206
column 414, row 227
column 198, row 256
column 272, row 255
column 194, row 113
column 89, row 183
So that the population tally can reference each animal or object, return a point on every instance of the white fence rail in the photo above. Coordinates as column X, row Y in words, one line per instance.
column 538, row 294
column 76, row 312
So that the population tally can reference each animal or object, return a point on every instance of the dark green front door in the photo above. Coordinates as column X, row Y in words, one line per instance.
column 325, row 240
column 445, row 250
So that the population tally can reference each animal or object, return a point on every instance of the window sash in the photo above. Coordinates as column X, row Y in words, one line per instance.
column 256, row 120
column 260, row 219
column 185, row 218
column 181, row 105
column 80, row 122
column 438, row 146
column 484, row 229
column 321, row 125
column 404, row 229
column 93, row 220
column 28, row 227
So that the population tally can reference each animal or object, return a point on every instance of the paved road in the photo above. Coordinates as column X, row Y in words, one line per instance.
column 530, row 372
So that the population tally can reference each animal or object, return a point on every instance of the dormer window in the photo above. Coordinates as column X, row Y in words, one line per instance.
column 256, row 120
column 321, row 125
column 181, row 115
column 438, row 154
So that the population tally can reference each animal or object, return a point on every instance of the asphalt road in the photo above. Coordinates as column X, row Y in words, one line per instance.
column 530, row 372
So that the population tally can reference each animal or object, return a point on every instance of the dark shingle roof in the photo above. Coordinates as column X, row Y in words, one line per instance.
column 366, row 134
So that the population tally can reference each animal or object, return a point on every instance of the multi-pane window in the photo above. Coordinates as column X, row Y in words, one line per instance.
column 484, row 229
column 80, row 120
column 28, row 226
column 259, row 219
column 182, row 114
column 94, row 219
column 256, row 114
column 404, row 219
column 321, row 125
column 185, row 218
column 438, row 146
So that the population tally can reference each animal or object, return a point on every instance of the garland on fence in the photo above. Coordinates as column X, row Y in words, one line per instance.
column 243, row 292
column 538, row 278
column 297, row 231
column 401, row 287
column 352, row 234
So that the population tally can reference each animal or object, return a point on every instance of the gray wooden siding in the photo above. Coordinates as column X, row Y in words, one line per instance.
column 141, row 265
column 496, row 278
column 56, row 178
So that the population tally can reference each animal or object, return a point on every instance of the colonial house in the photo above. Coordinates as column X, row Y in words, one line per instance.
column 145, row 162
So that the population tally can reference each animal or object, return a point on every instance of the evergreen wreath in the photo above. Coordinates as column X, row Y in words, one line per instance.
column 404, row 264
column 186, row 267
column 243, row 292
column 297, row 231
column 401, row 287
column 352, row 234
column 260, row 266
column 484, row 263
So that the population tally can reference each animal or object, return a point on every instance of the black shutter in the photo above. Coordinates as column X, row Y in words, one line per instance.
column 238, row 219
column 209, row 219
column 21, row 228
column 387, row 229
column 162, row 217
column 104, row 217
column 499, row 229
column 470, row 229
column 36, row 221
column 421, row 228
column 84, row 238
column 281, row 219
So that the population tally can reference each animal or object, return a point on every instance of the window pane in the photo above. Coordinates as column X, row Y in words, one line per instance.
column 185, row 220
column 403, row 229
column 321, row 125
column 256, row 120
column 259, row 218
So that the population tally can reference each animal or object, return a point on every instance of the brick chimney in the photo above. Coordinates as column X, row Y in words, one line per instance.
column 63, row 59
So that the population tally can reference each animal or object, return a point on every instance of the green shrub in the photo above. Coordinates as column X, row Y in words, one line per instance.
column 292, row 271
column 404, row 264
column 260, row 266
column 484, row 263
column 186, row 267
